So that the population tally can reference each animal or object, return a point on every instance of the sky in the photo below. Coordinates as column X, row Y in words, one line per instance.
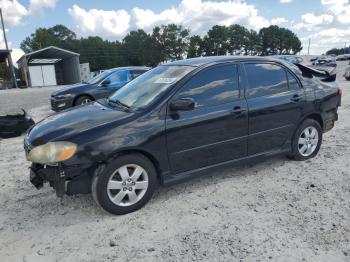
column 325, row 22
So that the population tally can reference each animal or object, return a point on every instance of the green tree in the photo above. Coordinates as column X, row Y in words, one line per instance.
column 195, row 48
column 239, row 39
column 338, row 51
column 62, row 33
column 279, row 41
column 171, row 41
column 40, row 39
column 165, row 43
column 140, row 49
column 217, row 41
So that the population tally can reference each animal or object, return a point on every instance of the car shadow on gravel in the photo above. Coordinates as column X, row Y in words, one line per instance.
column 46, row 203
column 224, row 175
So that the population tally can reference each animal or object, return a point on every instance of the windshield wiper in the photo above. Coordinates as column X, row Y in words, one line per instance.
column 120, row 104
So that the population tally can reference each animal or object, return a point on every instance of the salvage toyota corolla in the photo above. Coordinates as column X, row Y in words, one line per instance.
column 180, row 120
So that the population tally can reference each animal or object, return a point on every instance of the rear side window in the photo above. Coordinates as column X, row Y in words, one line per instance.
column 293, row 82
column 265, row 79
column 212, row 86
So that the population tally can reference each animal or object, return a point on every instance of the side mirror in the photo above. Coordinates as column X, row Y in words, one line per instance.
column 182, row 104
column 106, row 82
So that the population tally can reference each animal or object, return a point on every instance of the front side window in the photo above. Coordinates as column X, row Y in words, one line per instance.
column 265, row 79
column 119, row 77
column 212, row 86
column 149, row 86
column 97, row 79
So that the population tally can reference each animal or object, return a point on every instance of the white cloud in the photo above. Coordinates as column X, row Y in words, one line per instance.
column 197, row 15
column 37, row 5
column 330, row 29
column 339, row 8
column 13, row 12
column 311, row 21
column 285, row 1
column 279, row 21
column 101, row 22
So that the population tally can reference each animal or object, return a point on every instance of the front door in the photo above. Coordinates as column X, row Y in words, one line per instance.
column 113, row 82
column 275, row 101
column 213, row 132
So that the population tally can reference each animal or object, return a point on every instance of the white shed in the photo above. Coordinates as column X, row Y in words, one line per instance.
column 49, row 66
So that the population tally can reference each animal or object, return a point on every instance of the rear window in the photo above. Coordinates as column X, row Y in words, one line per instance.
column 293, row 82
column 265, row 79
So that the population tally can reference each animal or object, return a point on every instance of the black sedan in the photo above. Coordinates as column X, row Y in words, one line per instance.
column 98, row 87
column 178, row 121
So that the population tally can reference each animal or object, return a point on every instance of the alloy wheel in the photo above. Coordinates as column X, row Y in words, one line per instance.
column 308, row 141
column 85, row 101
column 127, row 185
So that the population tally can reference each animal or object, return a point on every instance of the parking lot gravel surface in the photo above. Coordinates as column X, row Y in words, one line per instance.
column 276, row 210
column 12, row 100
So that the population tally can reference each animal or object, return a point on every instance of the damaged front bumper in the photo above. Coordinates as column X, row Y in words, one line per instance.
column 40, row 174
column 63, row 180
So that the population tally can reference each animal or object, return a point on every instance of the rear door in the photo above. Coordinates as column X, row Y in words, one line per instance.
column 213, row 132
column 275, row 105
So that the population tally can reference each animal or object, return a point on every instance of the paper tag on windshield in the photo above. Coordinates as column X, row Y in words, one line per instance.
column 165, row 80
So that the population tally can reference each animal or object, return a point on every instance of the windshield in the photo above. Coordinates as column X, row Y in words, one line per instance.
column 148, row 87
column 99, row 77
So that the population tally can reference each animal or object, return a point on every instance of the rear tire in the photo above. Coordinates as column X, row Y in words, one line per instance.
column 82, row 100
column 125, row 184
column 307, row 140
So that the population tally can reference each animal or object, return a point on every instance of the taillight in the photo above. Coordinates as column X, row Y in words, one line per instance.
column 340, row 91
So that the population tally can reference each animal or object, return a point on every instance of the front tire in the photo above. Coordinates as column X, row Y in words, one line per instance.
column 82, row 100
column 307, row 140
column 125, row 185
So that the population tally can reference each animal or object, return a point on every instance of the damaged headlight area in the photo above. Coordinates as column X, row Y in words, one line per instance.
column 52, row 152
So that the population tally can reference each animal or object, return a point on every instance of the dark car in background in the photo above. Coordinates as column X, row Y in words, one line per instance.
column 329, row 61
column 290, row 58
column 100, row 86
column 180, row 120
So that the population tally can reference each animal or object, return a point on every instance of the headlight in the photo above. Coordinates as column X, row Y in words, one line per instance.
column 64, row 96
column 52, row 152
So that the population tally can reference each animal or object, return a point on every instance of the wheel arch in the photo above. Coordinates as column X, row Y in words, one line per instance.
column 80, row 95
column 146, row 154
column 315, row 116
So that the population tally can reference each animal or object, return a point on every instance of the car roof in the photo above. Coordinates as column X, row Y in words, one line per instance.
column 200, row 61
column 129, row 67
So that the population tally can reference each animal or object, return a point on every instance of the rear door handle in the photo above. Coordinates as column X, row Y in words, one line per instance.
column 296, row 98
column 238, row 110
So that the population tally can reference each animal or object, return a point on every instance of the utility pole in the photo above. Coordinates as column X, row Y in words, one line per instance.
column 7, row 48
column 344, row 48
column 308, row 48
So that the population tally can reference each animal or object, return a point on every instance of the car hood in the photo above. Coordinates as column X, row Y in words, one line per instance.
column 71, row 89
column 69, row 123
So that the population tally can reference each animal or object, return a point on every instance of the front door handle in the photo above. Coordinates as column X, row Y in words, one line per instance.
column 238, row 110
column 296, row 98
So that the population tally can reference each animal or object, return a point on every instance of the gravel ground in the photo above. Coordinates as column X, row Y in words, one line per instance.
column 12, row 100
column 277, row 210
